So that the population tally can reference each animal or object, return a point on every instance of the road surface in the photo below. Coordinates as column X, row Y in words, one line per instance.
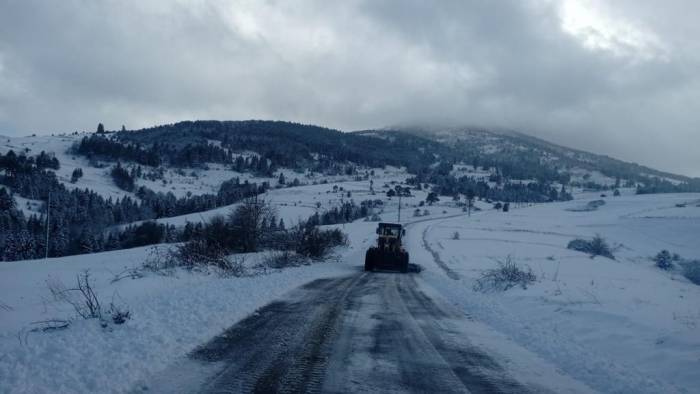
column 369, row 332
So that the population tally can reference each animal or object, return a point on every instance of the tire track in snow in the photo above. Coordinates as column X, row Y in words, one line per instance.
column 436, row 256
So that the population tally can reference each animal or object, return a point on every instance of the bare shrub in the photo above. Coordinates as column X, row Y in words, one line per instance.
column 597, row 246
column 506, row 276
column 199, row 254
column 82, row 298
column 281, row 259
column 232, row 266
column 160, row 260
column 247, row 223
column 455, row 236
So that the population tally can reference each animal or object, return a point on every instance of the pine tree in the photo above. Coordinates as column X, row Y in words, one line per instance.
column 77, row 174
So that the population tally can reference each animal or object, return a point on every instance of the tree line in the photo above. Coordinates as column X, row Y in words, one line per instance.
column 80, row 220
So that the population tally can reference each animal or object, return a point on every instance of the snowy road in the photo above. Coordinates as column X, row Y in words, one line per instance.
column 371, row 332
column 363, row 332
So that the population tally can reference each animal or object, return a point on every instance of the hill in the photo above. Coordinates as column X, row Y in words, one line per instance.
column 106, row 187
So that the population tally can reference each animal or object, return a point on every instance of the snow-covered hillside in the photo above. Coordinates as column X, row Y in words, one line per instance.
column 181, row 182
column 584, row 168
column 96, row 179
column 619, row 325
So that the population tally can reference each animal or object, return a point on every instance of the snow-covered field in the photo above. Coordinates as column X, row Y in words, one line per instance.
column 619, row 325
column 616, row 325
column 170, row 316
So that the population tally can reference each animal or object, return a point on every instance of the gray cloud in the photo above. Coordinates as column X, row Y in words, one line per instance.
column 624, row 83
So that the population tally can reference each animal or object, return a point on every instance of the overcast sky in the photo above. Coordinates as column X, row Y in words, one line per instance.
column 620, row 78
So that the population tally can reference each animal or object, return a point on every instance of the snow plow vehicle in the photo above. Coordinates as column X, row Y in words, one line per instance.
column 389, row 253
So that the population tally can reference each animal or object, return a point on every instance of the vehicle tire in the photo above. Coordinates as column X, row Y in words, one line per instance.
column 404, row 263
column 369, row 260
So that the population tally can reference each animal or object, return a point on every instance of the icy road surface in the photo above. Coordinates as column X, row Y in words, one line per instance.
column 367, row 332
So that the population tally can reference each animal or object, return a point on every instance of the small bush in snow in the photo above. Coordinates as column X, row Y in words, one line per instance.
column 118, row 314
column 691, row 270
column 82, row 298
column 506, row 276
column 455, row 236
column 198, row 252
column 232, row 266
column 597, row 246
column 281, row 259
column 201, row 254
column 159, row 260
column 312, row 242
column 664, row 260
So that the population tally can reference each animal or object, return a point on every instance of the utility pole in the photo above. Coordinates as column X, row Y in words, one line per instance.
column 48, row 211
column 400, row 207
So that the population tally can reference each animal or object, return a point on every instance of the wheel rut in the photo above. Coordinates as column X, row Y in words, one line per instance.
column 436, row 256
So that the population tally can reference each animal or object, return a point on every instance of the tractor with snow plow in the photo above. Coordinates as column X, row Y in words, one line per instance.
column 389, row 253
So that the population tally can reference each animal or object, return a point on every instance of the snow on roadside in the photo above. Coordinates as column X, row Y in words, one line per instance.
column 618, row 325
column 170, row 316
